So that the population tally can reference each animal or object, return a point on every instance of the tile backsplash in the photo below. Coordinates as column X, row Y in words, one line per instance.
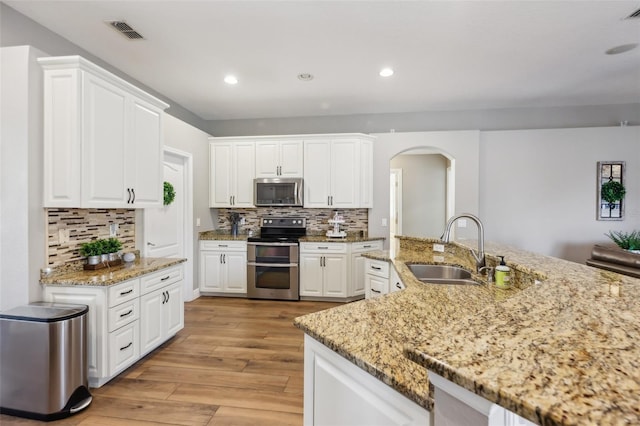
column 84, row 225
column 355, row 219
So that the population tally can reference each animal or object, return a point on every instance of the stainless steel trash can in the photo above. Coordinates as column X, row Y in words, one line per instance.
column 43, row 361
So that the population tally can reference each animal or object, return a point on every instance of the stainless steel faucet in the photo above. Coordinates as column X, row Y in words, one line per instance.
column 479, row 256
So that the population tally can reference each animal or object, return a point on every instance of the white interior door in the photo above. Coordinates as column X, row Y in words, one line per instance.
column 168, row 230
column 395, row 209
column 164, row 226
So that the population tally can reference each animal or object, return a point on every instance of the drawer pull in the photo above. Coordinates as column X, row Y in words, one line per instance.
column 367, row 246
column 223, row 245
column 126, row 347
column 122, row 293
column 323, row 248
column 165, row 278
column 164, row 297
column 375, row 291
column 126, row 314
column 377, row 268
column 398, row 286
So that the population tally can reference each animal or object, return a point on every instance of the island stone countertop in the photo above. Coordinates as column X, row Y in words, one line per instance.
column 112, row 275
column 559, row 347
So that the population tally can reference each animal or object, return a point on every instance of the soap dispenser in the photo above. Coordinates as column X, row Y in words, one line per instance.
column 503, row 272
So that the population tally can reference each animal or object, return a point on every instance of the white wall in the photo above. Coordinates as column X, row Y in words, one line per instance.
column 539, row 192
column 424, row 185
column 463, row 146
column 185, row 137
column 22, row 220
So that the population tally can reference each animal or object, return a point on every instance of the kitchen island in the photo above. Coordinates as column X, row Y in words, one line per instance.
column 559, row 347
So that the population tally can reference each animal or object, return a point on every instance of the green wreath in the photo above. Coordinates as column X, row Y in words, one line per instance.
column 612, row 191
column 169, row 193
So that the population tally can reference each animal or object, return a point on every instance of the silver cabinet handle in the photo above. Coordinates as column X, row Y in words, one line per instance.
column 126, row 314
column 126, row 347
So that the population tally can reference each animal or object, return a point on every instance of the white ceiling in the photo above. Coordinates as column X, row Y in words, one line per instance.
column 447, row 55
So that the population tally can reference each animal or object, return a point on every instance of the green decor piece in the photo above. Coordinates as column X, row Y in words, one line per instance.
column 113, row 245
column 625, row 240
column 612, row 191
column 90, row 249
column 169, row 193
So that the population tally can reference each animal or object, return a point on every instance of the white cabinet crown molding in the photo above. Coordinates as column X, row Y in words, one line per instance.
column 78, row 62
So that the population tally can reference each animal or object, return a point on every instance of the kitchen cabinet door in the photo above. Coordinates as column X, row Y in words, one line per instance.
column 267, row 159
column 173, row 315
column 243, row 173
column 211, row 271
column 317, row 181
column 235, row 271
column 105, row 160
column 151, row 307
column 345, row 173
column 335, row 275
column 311, row 275
column 146, row 150
column 291, row 158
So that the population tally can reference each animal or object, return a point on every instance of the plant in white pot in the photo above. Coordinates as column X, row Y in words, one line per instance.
column 629, row 241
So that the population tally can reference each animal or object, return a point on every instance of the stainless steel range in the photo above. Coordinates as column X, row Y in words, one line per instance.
column 272, row 259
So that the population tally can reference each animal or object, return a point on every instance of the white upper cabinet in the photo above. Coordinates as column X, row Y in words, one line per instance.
column 279, row 158
column 231, row 173
column 102, row 138
column 338, row 172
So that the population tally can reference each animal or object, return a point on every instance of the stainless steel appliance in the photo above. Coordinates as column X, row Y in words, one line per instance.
column 43, row 360
column 272, row 259
column 282, row 192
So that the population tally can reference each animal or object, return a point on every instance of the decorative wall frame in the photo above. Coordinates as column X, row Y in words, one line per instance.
column 611, row 190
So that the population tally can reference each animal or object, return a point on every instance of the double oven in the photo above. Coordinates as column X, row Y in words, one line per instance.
column 273, row 259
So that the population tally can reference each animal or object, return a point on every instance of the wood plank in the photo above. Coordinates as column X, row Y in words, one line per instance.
column 247, row 417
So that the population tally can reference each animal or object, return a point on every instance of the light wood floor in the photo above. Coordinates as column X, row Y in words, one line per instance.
column 236, row 362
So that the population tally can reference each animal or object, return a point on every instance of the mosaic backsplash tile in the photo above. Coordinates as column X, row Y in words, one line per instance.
column 355, row 219
column 84, row 225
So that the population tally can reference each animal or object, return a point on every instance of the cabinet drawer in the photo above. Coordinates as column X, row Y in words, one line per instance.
column 124, row 292
column 378, row 268
column 124, row 347
column 160, row 279
column 123, row 314
column 223, row 245
column 323, row 247
column 377, row 286
column 366, row 246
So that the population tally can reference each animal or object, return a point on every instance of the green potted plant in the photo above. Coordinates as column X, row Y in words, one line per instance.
column 612, row 191
column 112, row 247
column 626, row 240
column 92, row 252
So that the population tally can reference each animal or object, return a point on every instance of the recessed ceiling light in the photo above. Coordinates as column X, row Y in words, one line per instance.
column 386, row 72
column 621, row 49
column 305, row 76
column 231, row 79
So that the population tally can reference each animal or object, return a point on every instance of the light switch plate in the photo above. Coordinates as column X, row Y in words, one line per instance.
column 384, row 221
column 63, row 236
column 113, row 230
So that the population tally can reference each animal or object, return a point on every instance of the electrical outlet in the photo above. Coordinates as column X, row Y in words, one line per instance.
column 197, row 221
column 63, row 236
column 242, row 221
column 439, row 248
column 113, row 230
column 438, row 258
column 384, row 221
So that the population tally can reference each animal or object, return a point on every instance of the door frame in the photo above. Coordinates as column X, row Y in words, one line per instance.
column 188, row 292
column 395, row 195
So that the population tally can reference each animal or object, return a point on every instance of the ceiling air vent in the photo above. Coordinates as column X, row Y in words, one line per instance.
column 634, row 15
column 124, row 29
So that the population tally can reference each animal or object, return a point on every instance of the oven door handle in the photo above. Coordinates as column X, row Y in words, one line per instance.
column 251, row 243
column 273, row 265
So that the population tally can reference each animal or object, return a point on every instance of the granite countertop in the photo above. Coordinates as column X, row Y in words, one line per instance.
column 559, row 347
column 224, row 235
column 112, row 275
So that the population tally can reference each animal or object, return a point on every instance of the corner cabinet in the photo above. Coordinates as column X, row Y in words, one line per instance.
column 223, row 268
column 102, row 138
column 126, row 320
column 231, row 173
column 338, row 172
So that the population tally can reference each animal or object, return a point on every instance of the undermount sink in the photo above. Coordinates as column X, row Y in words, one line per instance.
column 441, row 274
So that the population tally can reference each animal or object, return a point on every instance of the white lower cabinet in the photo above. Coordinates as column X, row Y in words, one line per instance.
column 337, row 392
column 376, row 278
column 323, row 270
column 357, row 264
column 223, row 267
column 120, row 318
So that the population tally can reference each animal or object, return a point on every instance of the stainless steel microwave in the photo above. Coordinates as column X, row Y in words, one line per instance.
column 284, row 192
